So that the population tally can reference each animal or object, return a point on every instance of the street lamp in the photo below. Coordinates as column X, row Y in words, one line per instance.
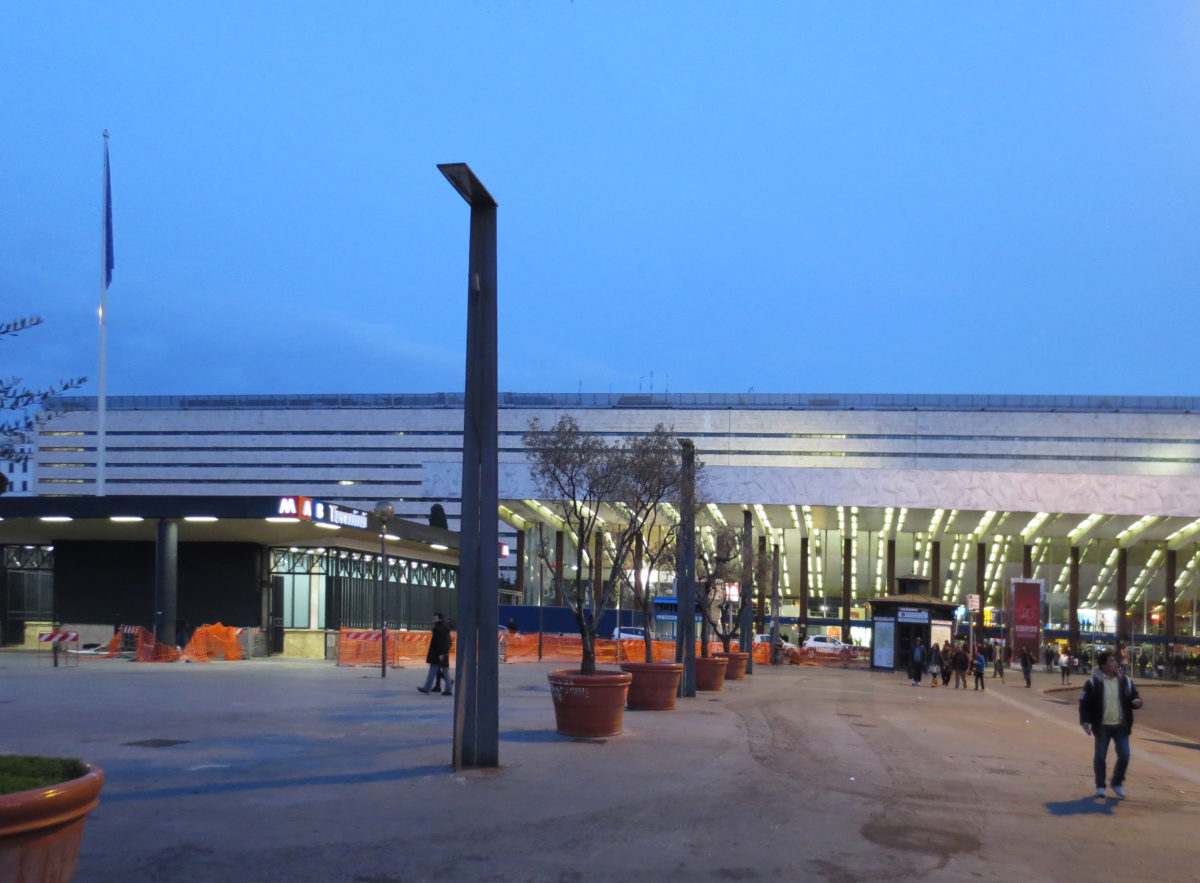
column 384, row 512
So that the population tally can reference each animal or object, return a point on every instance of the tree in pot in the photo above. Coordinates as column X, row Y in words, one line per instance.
column 651, row 469
column 717, row 566
column 580, row 473
column 44, row 802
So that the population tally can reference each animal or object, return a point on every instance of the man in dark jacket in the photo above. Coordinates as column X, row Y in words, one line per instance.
column 1106, row 707
column 438, row 656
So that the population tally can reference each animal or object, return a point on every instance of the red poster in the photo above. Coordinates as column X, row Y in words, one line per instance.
column 1027, row 616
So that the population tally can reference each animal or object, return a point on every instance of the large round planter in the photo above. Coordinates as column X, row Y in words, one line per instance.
column 40, row 830
column 654, row 686
column 735, row 670
column 710, row 673
column 587, row 706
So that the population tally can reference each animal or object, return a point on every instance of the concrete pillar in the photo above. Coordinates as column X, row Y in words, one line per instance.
column 1073, row 601
column 166, row 580
column 935, row 564
column 1169, row 595
column 1122, row 604
column 685, row 643
column 760, row 616
column 746, row 623
column 847, row 558
column 890, row 588
column 803, row 617
column 598, row 571
column 980, row 587
column 521, row 567
column 1026, row 561
column 775, row 654
column 559, row 548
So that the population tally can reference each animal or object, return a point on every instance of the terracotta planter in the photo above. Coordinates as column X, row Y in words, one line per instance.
column 40, row 830
column 589, row 705
column 736, row 669
column 655, row 684
column 710, row 672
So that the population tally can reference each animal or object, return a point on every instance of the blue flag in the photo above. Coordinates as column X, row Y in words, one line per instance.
column 108, row 233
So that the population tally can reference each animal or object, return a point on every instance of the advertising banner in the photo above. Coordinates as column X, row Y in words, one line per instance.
column 1026, row 597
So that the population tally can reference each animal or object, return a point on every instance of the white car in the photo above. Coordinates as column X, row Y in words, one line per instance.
column 825, row 644
column 766, row 639
column 630, row 633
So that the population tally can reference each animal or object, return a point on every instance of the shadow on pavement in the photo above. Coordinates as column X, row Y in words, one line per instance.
column 265, row 784
column 1083, row 806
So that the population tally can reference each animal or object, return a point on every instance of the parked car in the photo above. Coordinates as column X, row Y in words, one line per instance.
column 766, row 639
column 825, row 644
column 631, row 633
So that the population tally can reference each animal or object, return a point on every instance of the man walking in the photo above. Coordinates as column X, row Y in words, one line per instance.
column 1106, row 707
column 960, row 662
column 438, row 656
column 918, row 661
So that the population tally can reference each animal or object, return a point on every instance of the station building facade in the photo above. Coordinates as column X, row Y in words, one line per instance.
column 1097, row 497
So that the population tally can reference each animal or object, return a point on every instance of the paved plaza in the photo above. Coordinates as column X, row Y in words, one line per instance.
column 295, row 770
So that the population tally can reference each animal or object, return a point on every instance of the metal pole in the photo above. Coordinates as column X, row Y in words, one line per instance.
column 541, row 584
column 383, row 595
column 476, row 702
column 383, row 512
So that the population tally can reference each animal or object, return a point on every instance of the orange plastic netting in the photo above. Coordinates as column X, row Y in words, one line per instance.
column 213, row 642
column 364, row 647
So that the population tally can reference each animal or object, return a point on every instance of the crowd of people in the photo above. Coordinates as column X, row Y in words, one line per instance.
column 958, row 660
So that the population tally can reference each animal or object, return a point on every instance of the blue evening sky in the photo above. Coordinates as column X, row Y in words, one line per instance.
column 784, row 196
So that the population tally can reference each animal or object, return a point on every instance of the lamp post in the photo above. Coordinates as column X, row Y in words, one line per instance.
column 384, row 512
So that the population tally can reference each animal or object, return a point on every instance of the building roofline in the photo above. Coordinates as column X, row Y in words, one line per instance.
column 661, row 400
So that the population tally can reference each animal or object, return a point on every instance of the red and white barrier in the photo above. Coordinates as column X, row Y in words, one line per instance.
column 56, row 641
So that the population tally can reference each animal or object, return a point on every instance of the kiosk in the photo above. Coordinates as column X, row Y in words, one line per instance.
column 909, row 613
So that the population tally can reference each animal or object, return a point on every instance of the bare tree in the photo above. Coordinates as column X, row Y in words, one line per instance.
column 20, row 401
column 578, row 473
column 718, row 564
column 651, row 474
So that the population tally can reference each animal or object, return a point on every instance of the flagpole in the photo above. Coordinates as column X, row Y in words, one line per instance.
column 106, row 265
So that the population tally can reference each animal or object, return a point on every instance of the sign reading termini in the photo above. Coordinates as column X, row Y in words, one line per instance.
column 308, row 509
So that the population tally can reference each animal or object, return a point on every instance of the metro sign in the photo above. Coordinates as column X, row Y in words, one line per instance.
column 308, row 509
column 296, row 507
column 504, row 550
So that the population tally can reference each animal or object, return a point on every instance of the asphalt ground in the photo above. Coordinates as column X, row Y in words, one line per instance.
column 295, row 770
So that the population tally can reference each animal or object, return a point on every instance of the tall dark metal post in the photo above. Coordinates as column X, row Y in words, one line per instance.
column 776, row 654
column 746, row 628
column 476, row 702
column 166, row 580
column 685, row 643
column 384, row 512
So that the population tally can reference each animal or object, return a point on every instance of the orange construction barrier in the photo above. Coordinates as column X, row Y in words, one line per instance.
column 210, row 641
column 362, row 647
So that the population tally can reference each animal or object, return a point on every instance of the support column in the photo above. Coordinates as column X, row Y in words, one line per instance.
column 746, row 620
column 802, row 622
column 890, row 588
column 476, row 695
column 760, row 617
column 558, row 567
column 598, row 572
column 685, row 642
column 1026, row 561
column 521, row 567
column 166, row 580
column 1073, row 602
column 775, row 651
column 847, row 557
column 980, row 587
column 1169, row 596
column 935, row 564
column 1122, row 604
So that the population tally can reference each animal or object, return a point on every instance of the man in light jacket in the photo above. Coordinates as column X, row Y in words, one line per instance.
column 1106, row 706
